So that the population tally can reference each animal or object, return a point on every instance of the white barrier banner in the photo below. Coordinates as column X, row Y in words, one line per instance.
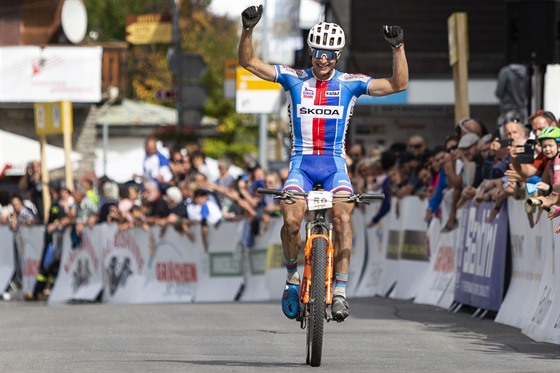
column 544, row 324
column 413, row 261
column 7, row 267
column 35, row 74
column 529, row 247
column 220, row 274
column 357, row 260
column 440, row 276
column 124, row 256
column 172, row 266
column 81, row 271
column 375, row 248
column 255, row 260
column 30, row 243
column 393, row 247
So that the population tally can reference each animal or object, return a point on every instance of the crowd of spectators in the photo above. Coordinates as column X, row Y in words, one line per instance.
column 182, row 191
column 520, row 159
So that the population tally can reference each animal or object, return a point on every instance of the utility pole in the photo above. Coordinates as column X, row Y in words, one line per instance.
column 178, row 58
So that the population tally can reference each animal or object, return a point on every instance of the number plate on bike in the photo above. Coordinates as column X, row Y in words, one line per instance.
column 319, row 199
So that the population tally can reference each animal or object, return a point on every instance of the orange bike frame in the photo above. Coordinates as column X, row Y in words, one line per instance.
column 306, row 281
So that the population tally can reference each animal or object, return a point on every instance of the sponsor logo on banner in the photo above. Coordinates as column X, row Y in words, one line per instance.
column 80, row 260
column 414, row 246
column 257, row 261
column 170, row 268
column 394, row 245
column 275, row 256
column 122, row 256
column 118, row 271
column 444, row 260
column 481, row 264
column 224, row 265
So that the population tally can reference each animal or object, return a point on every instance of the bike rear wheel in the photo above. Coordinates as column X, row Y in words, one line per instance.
column 317, row 302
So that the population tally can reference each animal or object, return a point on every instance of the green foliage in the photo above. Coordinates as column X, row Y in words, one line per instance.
column 215, row 38
column 108, row 17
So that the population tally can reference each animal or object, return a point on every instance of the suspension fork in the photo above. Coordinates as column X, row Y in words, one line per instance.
column 308, row 255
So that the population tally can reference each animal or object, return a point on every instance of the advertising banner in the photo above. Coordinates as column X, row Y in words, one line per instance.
column 35, row 74
column 357, row 260
column 30, row 243
column 413, row 258
column 172, row 264
column 6, row 256
column 544, row 322
column 375, row 248
column 482, row 254
column 124, row 256
column 529, row 251
column 81, row 271
column 440, row 275
column 220, row 272
column 393, row 247
column 255, row 260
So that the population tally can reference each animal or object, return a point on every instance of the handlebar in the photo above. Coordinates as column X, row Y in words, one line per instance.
column 289, row 194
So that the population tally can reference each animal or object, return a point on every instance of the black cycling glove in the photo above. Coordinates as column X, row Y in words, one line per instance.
column 393, row 35
column 251, row 16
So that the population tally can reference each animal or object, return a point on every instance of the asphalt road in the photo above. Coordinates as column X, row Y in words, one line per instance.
column 381, row 335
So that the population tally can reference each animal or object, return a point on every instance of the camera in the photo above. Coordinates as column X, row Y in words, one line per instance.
column 504, row 143
column 527, row 156
column 534, row 201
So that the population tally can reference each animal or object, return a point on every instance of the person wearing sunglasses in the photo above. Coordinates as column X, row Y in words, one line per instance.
column 321, row 101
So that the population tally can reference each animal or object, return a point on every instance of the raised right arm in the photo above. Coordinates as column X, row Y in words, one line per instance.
column 246, row 53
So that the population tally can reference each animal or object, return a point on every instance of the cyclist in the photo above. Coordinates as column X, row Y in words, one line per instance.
column 321, row 99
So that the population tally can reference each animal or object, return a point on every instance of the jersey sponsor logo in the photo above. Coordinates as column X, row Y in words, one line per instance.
column 354, row 77
column 290, row 70
column 332, row 93
column 308, row 93
column 327, row 112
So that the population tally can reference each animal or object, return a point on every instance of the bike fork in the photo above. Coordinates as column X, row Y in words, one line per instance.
column 306, row 280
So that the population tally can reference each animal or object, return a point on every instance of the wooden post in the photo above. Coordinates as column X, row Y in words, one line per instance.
column 67, row 136
column 457, row 27
column 45, row 178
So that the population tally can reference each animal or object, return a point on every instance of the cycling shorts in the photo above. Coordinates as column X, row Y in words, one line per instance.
column 307, row 171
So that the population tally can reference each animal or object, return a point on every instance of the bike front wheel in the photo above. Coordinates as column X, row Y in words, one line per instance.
column 317, row 302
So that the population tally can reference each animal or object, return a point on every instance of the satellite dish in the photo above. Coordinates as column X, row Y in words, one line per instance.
column 74, row 20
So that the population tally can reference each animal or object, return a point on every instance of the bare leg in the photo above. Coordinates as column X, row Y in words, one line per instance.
column 341, row 217
column 291, row 238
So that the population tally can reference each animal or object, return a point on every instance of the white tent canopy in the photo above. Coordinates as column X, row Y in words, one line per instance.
column 122, row 167
column 18, row 151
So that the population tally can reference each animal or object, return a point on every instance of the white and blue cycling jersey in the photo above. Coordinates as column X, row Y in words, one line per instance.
column 319, row 114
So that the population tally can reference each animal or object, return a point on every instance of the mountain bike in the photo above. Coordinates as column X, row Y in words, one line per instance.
column 316, row 284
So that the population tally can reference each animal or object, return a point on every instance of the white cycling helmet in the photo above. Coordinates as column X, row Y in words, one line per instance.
column 326, row 35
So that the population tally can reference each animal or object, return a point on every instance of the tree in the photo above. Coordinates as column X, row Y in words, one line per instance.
column 214, row 38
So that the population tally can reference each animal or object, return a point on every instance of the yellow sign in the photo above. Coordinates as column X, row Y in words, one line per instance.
column 53, row 118
column 247, row 81
column 256, row 96
column 149, row 29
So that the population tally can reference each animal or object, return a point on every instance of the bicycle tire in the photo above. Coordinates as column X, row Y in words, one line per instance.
column 317, row 302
